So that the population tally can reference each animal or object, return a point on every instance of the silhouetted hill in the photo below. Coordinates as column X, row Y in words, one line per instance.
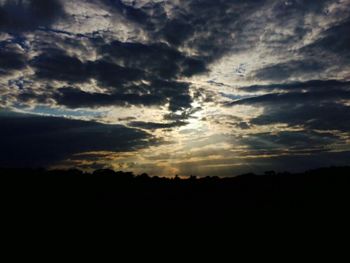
column 211, row 199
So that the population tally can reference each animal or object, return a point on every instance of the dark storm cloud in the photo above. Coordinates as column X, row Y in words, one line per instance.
column 155, row 125
column 29, row 140
column 25, row 15
column 132, row 63
column 157, row 59
column 133, row 14
column 11, row 58
column 313, row 110
column 313, row 104
column 312, row 85
column 286, row 70
column 55, row 64
column 29, row 96
column 325, row 116
column 295, row 97
column 211, row 28
column 202, row 25
column 335, row 40
column 290, row 9
column 75, row 98
column 157, row 93
column 329, row 51
column 113, row 75
column 180, row 102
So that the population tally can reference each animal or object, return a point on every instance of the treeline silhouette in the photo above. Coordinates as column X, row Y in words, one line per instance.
column 124, row 195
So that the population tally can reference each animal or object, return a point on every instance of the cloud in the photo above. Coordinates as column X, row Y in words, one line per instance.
column 114, row 75
column 211, row 29
column 322, row 56
column 75, row 98
column 326, row 116
column 287, row 70
column 243, row 125
column 131, row 71
column 25, row 15
column 31, row 140
column 157, row 60
column 312, row 85
column 11, row 58
column 54, row 64
column 155, row 125
column 126, row 81
column 157, row 93
column 334, row 40
column 201, row 26
column 312, row 105
column 277, row 99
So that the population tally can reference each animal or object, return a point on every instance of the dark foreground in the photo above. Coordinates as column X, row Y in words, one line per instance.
column 122, row 196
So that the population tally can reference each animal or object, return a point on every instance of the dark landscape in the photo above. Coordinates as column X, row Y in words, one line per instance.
column 124, row 196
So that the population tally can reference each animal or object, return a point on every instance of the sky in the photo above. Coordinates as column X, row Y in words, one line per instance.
column 187, row 87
